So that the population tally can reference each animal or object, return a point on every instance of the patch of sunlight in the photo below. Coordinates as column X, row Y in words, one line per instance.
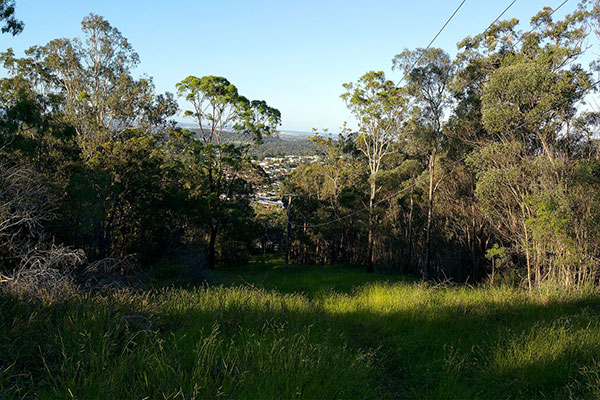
column 546, row 346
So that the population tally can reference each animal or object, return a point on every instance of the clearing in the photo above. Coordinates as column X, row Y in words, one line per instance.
column 269, row 331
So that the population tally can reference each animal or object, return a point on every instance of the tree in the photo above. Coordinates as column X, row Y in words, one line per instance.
column 229, row 125
column 7, row 14
column 31, row 122
column 519, row 92
column 429, row 72
column 379, row 108
column 101, row 99
column 85, row 89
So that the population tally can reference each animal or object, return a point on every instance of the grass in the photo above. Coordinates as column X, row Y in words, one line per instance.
column 269, row 331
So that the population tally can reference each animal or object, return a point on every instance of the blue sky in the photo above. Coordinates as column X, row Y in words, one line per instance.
column 294, row 54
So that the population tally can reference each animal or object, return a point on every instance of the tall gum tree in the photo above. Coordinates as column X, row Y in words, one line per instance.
column 102, row 100
column 523, row 88
column 228, row 126
column 88, row 82
column 428, row 75
column 379, row 108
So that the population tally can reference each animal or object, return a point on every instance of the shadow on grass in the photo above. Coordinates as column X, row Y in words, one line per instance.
column 351, row 335
column 431, row 350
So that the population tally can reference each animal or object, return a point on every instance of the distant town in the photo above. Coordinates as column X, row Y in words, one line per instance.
column 277, row 168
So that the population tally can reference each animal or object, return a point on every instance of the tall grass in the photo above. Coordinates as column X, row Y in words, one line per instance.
column 326, row 334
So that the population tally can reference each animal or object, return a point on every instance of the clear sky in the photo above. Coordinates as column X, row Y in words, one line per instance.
column 294, row 54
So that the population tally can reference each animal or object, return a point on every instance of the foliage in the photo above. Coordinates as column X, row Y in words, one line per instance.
column 497, row 150
column 7, row 15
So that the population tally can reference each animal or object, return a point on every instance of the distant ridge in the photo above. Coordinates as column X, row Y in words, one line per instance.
column 284, row 134
column 293, row 135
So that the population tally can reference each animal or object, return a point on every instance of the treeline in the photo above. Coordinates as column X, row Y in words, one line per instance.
column 93, row 168
column 466, row 168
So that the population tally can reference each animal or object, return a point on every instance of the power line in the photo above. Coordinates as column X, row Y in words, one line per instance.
column 433, row 40
column 484, row 32
column 498, row 17
column 444, row 26
column 451, row 165
column 532, row 29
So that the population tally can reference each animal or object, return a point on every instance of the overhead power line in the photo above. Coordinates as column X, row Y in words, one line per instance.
column 443, row 27
column 446, row 24
column 532, row 29
column 484, row 32
column 498, row 17
column 433, row 40
column 451, row 165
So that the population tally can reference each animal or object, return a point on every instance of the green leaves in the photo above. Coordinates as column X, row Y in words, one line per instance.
column 217, row 106
column 517, row 98
column 373, row 96
column 7, row 14
column 215, row 89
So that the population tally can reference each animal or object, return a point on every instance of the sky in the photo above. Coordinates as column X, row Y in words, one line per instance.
column 294, row 54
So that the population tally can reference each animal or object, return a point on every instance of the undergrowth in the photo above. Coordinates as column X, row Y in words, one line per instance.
column 270, row 331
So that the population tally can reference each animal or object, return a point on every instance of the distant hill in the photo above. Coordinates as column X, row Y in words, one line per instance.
column 283, row 143
column 294, row 135
column 284, row 134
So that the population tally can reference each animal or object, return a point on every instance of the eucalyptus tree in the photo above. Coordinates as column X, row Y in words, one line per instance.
column 380, row 109
column 84, row 88
column 524, row 89
column 93, row 76
column 228, row 126
column 428, row 75
column 7, row 14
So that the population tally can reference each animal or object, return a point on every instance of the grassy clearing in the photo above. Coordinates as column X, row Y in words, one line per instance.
column 324, row 333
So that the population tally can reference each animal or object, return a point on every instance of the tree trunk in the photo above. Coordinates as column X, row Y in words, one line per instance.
column 212, row 260
column 410, row 221
column 427, row 257
column 304, row 246
column 287, row 231
column 527, row 256
column 370, row 264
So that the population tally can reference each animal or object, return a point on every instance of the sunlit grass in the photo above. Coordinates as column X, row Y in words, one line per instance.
column 293, row 332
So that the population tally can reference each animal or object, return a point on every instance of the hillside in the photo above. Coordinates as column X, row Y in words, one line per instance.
column 269, row 331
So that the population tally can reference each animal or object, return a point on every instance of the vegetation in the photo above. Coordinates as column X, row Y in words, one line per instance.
column 125, row 240
column 328, row 333
column 278, row 147
column 483, row 153
column 7, row 16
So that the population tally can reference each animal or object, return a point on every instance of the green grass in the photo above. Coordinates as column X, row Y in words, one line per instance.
column 312, row 281
column 269, row 331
